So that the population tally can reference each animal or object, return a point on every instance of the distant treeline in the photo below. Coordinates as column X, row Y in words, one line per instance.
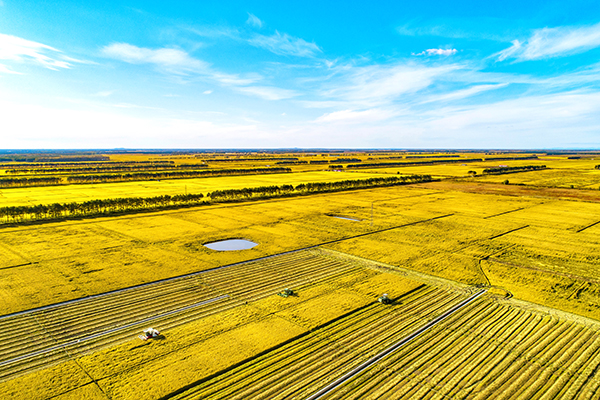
column 138, row 176
column 23, row 182
column 411, row 163
column 347, row 160
column 291, row 162
column 80, row 164
column 319, row 162
column 108, row 168
column 510, row 158
column 251, row 159
column 88, row 179
column 17, row 158
column 597, row 167
column 436, row 156
column 93, row 208
column 509, row 170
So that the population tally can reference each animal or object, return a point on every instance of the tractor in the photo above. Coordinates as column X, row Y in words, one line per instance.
column 384, row 299
column 149, row 333
column 286, row 292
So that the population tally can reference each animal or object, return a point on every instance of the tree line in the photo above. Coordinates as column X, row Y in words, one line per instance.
column 411, row 163
column 138, row 176
column 509, row 170
column 108, row 168
column 83, row 179
column 24, row 182
column 103, row 207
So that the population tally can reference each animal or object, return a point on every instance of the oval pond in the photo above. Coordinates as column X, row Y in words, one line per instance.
column 231, row 245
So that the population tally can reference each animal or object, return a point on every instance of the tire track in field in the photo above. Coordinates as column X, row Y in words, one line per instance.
column 393, row 348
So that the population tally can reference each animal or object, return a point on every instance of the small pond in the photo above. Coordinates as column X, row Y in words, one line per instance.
column 346, row 218
column 231, row 245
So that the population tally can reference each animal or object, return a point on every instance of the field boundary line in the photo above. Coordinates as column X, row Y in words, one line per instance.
column 505, row 212
column 588, row 226
column 100, row 334
column 51, row 306
column 507, row 232
column 373, row 360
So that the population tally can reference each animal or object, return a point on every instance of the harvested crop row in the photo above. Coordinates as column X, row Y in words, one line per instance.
column 124, row 311
column 326, row 352
column 506, row 353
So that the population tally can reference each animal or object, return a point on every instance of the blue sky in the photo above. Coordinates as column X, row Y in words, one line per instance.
column 233, row 74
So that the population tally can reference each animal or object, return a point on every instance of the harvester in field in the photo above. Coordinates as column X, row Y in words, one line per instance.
column 149, row 333
column 286, row 292
column 384, row 299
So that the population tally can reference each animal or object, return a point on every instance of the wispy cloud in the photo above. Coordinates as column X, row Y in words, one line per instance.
column 464, row 93
column 254, row 21
column 285, row 45
column 436, row 52
column 172, row 59
column 377, row 85
column 6, row 70
column 553, row 42
column 20, row 50
column 267, row 92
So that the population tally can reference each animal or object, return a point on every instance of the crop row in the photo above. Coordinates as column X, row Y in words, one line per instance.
column 45, row 336
column 486, row 350
column 493, row 351
column 313, row 360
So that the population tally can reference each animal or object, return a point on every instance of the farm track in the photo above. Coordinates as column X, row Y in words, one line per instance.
column 489, row 349
column 43, row 337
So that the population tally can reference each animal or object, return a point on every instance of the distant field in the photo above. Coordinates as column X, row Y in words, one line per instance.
column 579, row 179
column 73, row 193
column 533, row 247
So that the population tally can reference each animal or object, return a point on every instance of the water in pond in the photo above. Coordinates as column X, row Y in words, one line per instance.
column 231, row 245
column 346, row 218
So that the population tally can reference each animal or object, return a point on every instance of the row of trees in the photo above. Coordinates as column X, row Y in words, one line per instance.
column 107, row 168
column 412, row 163
column 23, row 182
column 60, row 165
column 509, row 170
column 97, row 207
column 139, row 176
column 92, row 208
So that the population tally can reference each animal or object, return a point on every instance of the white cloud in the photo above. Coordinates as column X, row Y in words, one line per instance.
column 174, row 60
column 254, row 21
column 207, row 92
column 16, row 49
column 553, row 42
column 437, row 52
column 171, row 60
column 463, row 93
column 6, row 70
column 377, row 85
column 267, row 92
column 285, row 45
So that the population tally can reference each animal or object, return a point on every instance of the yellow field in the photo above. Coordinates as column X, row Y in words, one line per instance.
column 538, row 245
column 78, row 193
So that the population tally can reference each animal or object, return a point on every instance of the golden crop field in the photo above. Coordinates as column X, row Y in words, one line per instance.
column 535, row 249
column 78, row 193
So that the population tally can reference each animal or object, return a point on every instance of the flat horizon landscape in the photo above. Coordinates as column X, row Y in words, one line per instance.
column 496, row 252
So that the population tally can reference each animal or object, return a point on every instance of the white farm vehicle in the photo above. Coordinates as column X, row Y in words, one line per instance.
column 149, row 333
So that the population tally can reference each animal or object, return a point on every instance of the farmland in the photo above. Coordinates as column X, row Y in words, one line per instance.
column 74, row 294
